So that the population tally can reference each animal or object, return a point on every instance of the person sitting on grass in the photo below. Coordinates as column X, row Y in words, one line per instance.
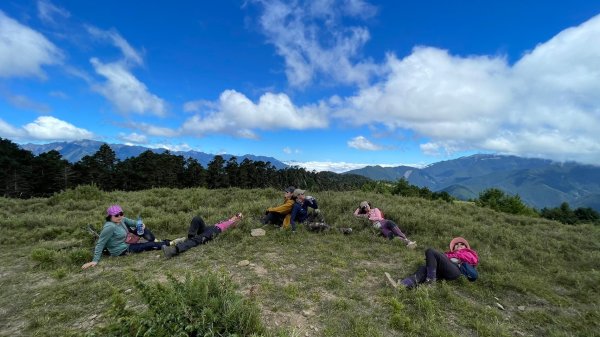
column 114, row 234
column 314, row 220
column 199, row 234
column 459, row 260
column 387, row 228
column 280, row 215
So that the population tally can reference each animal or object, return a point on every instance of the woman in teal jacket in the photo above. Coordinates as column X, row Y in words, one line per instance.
column 113, row 237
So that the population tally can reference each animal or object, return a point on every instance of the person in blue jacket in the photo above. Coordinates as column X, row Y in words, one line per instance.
column 300, row 211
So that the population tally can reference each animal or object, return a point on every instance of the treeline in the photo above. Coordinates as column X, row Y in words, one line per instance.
column 497, row 200
column 404, row 188
column 25, row 175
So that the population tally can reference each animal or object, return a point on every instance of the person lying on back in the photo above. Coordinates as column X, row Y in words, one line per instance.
column 459, row 260
column 387, row 228
column 199, row 234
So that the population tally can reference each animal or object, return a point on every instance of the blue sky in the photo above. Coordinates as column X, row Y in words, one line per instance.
column 326, row 84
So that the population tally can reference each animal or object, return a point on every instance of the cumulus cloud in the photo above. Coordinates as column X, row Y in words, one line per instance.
column 125, row 91
column 48, row 11
column 44, row 128
column 237, row 115
column 546, row 104
column 362, row 143
column 24, row 51
column 312, row 40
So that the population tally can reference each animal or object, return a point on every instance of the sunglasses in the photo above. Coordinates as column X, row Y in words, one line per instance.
column 118, row 214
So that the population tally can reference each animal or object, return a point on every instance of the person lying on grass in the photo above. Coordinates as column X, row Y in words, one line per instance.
column 114, row 237
column 199, row 234
column 280, row 215
column 387, row 228
column 459, row 260
column 314, row 220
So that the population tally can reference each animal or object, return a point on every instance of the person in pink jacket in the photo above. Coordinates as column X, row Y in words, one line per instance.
column 459, row 260
column 388, row 228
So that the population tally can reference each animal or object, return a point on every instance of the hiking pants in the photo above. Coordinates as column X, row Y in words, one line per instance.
column 445, row 269
column 198, row 234
column 145, row 246
column 390, row 229
column 273, row 218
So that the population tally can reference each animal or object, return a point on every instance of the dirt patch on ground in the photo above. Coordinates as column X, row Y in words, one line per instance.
column 297, row 322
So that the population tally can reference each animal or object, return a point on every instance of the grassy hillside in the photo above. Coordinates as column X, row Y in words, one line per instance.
column 544, row 274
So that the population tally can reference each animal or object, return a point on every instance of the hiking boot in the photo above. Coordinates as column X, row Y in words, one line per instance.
column 429, row 281
column 169, row 251
column 411, row 244
column 390, row 280
column 347, row 230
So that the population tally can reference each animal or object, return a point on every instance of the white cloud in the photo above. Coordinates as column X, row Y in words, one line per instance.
column 48, row 11
column 312, row 40
column 125, row 91
column 153, row 130
column 362, row 143
column 545, row 105
column 197, row 106
column 51, row 128
column 171, row 147
column 9, row 131
column 339, row 167
column 289, row 150
column 235, row 114
column 134, row 138
column 44, row 128
column 129, row 53
column 24, row 51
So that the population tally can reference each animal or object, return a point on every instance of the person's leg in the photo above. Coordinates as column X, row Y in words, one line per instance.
column 440, row 266
column 396, row 230
column 148, row 235
column 385, row 230
column 208, row 234
column 197, row 226
column 145, row 246
column 416, row 278
column 274, row 218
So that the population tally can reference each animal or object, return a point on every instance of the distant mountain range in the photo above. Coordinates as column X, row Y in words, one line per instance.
column 75, row 150
column 539, row 182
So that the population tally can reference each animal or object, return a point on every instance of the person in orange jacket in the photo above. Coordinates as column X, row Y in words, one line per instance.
column 280, row 215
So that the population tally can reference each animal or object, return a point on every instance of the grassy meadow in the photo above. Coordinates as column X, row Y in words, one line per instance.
column 536, row 277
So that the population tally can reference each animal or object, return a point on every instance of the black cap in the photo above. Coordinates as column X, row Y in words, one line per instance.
column 290, row 189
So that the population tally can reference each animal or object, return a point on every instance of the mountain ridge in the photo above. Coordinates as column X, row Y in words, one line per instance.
column 75, row 150
column 539, row 182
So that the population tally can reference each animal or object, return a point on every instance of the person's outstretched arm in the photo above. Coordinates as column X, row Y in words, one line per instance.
column 107, row 232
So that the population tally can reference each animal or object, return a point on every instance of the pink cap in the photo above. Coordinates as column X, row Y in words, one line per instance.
column 113, row 210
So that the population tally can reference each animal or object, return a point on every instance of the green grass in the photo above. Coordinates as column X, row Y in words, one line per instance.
column 545, row 274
